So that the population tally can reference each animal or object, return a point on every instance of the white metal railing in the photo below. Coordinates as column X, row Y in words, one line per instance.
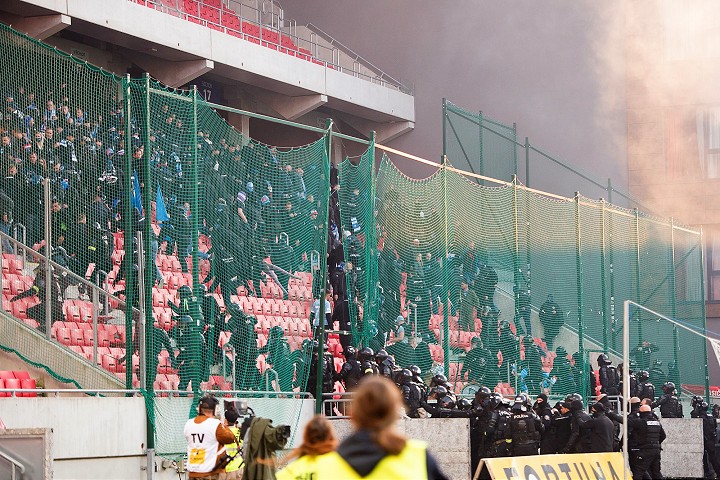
column 269, row 16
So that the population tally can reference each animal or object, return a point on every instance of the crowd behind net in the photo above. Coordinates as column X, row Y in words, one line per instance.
column 185, row 257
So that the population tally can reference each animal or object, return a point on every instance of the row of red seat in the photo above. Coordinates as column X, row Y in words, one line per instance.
column 17, row 379
column 224, row 19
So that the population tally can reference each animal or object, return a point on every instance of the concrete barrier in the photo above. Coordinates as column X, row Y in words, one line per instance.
column 448, row 440
column 683, row 448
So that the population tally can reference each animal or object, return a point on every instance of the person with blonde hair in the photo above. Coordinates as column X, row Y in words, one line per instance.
column 376, row 450
column 318, row 439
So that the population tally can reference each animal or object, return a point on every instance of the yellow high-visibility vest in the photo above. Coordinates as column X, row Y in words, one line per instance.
column 232, row 449
column 410, row 464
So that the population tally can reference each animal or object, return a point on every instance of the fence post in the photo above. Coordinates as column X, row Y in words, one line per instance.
column 446, row 279
column 516, row 254
column 527, row 161
column 444, row 127
column 637, row 272
column 609, row 190
column 48, row 255
column 603, row 291
column 704, row 316
column 515, row 162
column 323, row 276
column 130, row 275
column 609, row 252
column 673, row 294
column 481, row 157
column 579, row 278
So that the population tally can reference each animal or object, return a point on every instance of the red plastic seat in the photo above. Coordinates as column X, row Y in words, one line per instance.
column 12, row 383
column 76, row 337
column 5, row 374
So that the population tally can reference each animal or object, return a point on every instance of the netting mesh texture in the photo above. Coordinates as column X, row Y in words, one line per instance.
column 233, row 239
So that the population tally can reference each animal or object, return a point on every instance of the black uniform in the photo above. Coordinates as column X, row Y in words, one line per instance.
column 579, row 432
column 670, row 406
column 547, row 438
column 497, row 433
column 647, row 390
column 524, row 431
column 350, row 373
column 602, row 431
column 560, row 431
column 709, row 437
column 609, row 380
column 647, row 434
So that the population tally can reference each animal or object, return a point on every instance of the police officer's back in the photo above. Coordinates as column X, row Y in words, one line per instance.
column 351, row 371
column 579, row 438
column 602, row 430
column 670, row 406
column 647, row 435
column 609, row 379
column 545, row 413
column 524, row 430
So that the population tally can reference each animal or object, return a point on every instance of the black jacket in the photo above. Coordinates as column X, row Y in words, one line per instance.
column 602, row 432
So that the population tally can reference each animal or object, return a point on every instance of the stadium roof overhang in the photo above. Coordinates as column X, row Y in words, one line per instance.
column 176, row 52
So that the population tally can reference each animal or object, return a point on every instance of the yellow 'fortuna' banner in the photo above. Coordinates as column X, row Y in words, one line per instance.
column 588, row 466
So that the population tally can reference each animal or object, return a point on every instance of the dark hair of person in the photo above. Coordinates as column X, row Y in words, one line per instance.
column 376, row 408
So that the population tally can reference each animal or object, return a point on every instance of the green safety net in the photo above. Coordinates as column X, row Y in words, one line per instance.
column 217, row 241
column 154, row 197
column 538, row 281
column 479, row 144
column 356, row 200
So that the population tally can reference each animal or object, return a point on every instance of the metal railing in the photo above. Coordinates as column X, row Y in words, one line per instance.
column 15, row 464
column 269, row 16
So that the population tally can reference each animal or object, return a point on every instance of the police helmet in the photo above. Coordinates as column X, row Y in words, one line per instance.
column 643, row 375
column 438, row 379
column 185, row 291
column 405, row 375
column 696, row 400
column 440, row 391
column 447, row 402
column 603, row 359
column 495, row 400
column 518, row 406
column 366, row 354
column 573, row 396
column 350, row 351
column 703, row 405
column 276, row 331
column 415, row 370
column 381, row 356
column 464, row 404
column 668, row 387
column 367, row 368
column 483, row 393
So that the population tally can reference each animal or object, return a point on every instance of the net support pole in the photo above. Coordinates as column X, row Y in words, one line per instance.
column 516, row 255
column 609, row 252
column 48, row 255
column 637, row 273
column 145, row 382
column 481, row 159
column 195, row 212
column 515, row 145
column 323, row 272
column 144, row 273
column 446, row 273
column 603, row 289
column 673, row 295
column 626, row 383
column 704, row 316
column 128, row 239
column 579, row 279
column 609, row 190
column 444, row 127
column 527, row 161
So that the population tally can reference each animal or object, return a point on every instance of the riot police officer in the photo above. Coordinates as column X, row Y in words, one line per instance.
column 497, row 441
column 709, row 436
column 601, row 429
column 367, row 361
column 647, row 434
column 410, row 393
column 579, row 438
column 670, row 406
column 544, row 412
column 351, row 371
column 609, row 380
column 645, row 388
column 385, row 364
column 524, row 428
column 478, row 426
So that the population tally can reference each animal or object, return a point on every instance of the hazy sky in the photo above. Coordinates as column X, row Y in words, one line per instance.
column 554, row 67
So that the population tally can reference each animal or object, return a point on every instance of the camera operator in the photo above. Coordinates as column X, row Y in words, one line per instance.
column 206, row 437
